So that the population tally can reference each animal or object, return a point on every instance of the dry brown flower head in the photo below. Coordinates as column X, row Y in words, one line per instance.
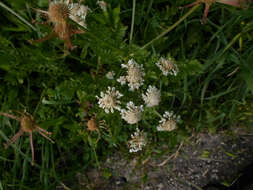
column 92, row 125
column 27, row 125
column 58, row 14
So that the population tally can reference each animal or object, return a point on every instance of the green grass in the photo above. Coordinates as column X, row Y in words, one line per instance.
column 211, row 92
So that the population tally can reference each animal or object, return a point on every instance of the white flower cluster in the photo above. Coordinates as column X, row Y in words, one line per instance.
column 102, row 5
column 138, row 141
column 133, row 113
column 152, row 96
column 167, row 66
column 78, row 12
column 168, row 122
column 134, row 77
column 109, row 100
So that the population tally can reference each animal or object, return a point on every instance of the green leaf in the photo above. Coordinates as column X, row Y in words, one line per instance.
column 116, row 16
column 205, row 154
column 192, row 67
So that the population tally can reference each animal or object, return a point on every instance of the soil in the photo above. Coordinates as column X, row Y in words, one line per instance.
column 204, row 159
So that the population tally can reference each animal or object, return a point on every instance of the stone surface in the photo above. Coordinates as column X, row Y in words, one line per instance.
column 203, row 159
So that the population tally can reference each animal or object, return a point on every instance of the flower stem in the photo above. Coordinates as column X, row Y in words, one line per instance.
column 171, row 27
column 132, row 23
column 157, row 113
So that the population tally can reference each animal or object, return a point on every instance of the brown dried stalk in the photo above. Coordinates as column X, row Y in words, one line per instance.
column 208, row 3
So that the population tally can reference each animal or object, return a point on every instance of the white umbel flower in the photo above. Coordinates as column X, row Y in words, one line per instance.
column 167, row 66
column 152, row 96
column 110, row 75
column 78, row 13
column 168, row 122
column 109, row 100
column 138, row 141
column 102, row 5
column 133, row 113
column 134, row 77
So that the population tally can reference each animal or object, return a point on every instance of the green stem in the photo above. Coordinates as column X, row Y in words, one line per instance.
column 96, row 158
column 232, row 42
column 149, row 7
column 17, row 15
column 94, row 151
column 156, row 112
column 171, row 27
column 132, row 23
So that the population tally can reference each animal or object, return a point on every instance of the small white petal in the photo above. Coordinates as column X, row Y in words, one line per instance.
column 133, row 113
column 109, row 100
column 134, row 77
column 167, row 66
column 78, row 13
column 102, row 5
column 110, row 75
column 122, row 80
column 138, row 141
column 152, row 96
column 168, row 122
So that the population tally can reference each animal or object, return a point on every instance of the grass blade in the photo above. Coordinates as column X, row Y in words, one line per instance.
column 132, row 23
column 17, row 15
column 171, row 27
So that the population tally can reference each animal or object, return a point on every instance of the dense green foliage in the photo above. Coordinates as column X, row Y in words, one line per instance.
column 212, row 90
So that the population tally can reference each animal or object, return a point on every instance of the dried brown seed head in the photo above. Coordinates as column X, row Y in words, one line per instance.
column 92, row 124
column 27, row 123
column 58, row 12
